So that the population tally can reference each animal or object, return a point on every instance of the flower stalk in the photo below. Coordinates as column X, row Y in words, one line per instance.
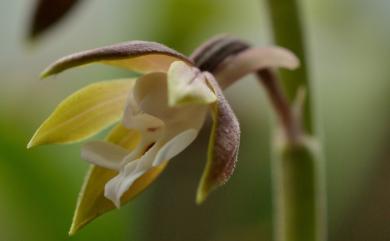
column 289, row 121
column 298, row 171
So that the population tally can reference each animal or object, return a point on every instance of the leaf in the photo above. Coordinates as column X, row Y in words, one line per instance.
column 253, row 60
column 138, row 56
column 92, row 203
column 223, row 145
column 47, row 13
column 84, row 113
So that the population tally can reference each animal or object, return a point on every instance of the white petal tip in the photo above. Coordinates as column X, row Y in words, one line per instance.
column 103, row 154
column 112, row 197
column 175, row 146
column 117, row 204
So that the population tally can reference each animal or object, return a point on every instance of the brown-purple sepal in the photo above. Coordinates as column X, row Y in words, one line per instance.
column 209, row 55
column 139, row 56
column 252, row 60
column 223, row 145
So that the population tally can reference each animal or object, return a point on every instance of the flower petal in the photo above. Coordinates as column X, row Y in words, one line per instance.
column 91, row 202
column 175, row 146
column 150, row 94
column 138, row 56
column 124, row 137
column 117, row 186
column 134, row 117
column 47, row 13
column 187, row 85
column 223, row 145
column 84, row 113
column 155, row 156
column 104, row 154
column 209, row 55
column 252, row 60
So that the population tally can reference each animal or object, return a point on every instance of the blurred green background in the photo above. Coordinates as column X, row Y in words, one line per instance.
column 348, row 41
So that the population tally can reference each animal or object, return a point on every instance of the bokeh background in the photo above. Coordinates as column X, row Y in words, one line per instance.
column 348, row 42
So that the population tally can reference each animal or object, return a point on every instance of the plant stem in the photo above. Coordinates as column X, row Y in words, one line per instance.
column 284, row 112
column 298, row 173
column 288, row 32
column 298, row 191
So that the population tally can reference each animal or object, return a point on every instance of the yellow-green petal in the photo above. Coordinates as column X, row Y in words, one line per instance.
column 84, row 113
column 92, row 202
column 138, row 56
column 223, row 145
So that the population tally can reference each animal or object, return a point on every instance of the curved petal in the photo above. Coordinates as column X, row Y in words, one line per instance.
column 252, row 60
column 174, row 146
column 92, row 203
column 117, row 186
column 134, row 117
column 150, row 94
column 124, row 137
column 104, row 154
column 215, row 50
column 187, row 85
column 202, row 51
column 150, row 84
column 138, row 56
column 223, row 146
column 84, row 113
column 155, row 156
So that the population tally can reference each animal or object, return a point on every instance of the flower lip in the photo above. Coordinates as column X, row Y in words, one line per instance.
column 115, row 52
column 165, row 131
column 153, row 157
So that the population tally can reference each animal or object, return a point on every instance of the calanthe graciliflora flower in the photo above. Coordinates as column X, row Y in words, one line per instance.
column 157, row 116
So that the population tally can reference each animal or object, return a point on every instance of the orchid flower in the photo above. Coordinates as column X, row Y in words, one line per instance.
column 157, row 116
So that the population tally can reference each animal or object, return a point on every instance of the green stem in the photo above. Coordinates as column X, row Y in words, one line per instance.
column 288, row 32
column 297, row 168
column 299, row 191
